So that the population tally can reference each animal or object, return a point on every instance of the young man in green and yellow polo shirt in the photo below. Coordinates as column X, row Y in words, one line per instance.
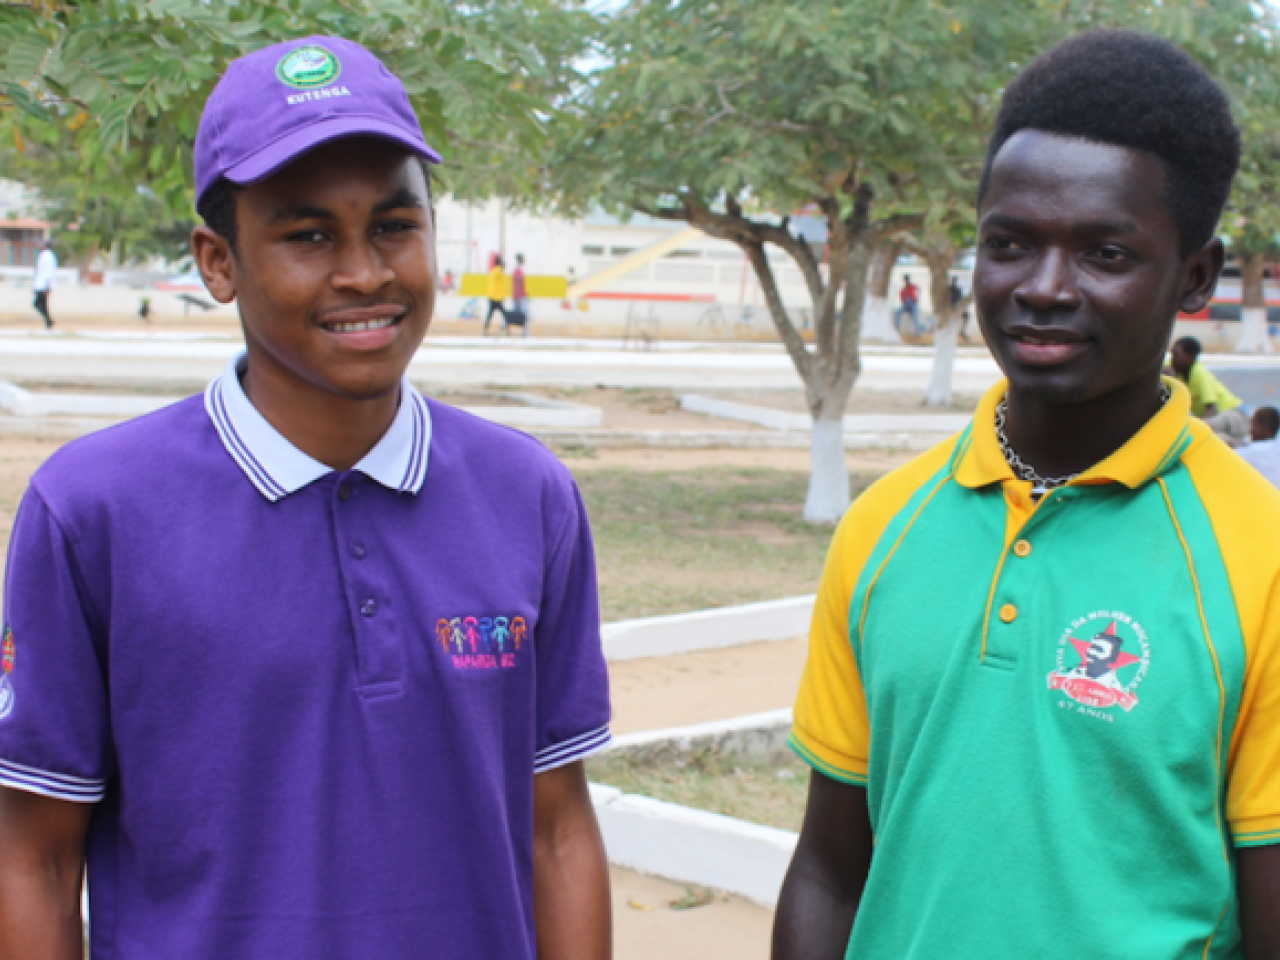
column 1042, row 701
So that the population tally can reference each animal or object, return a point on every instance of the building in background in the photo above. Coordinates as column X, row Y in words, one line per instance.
column 21, row 228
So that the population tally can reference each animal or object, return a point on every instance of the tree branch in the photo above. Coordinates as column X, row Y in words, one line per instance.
column 791, row 339
column 899, row 223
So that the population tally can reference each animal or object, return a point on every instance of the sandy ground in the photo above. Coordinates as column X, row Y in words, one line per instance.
column 860, row 401
column 658, row 692
column 658, row 459
column 646, row 928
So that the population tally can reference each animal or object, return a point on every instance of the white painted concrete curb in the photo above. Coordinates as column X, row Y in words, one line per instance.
column 708, row 629
column 535, row 411
column 539, row 412
column 693, row 846
column 940, row 423
column 24, row 403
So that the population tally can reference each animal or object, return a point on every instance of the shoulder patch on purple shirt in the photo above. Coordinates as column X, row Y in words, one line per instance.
column 8, row 652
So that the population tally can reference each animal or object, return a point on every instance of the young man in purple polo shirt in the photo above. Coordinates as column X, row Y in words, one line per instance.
column 231, row 681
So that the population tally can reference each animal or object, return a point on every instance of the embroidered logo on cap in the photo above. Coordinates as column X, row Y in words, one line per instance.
column 7, row 653
column 1105, row 673
column 307, row 68
column 482, row 643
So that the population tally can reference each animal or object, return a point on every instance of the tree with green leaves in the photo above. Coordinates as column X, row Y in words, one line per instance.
column 730, row 115
column 99, row 101
column 1252, row 220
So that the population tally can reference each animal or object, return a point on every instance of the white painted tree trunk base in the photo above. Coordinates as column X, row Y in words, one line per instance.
column 877, row 322
column 1253, row 333
column 829, row 473
column 944, row 361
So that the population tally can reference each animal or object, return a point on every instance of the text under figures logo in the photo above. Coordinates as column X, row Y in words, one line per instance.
column 307, row 68
column 482, row 643
column 8, row 653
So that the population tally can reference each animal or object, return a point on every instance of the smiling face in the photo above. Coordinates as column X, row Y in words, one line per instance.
column 334, row 269
column 1079, row 276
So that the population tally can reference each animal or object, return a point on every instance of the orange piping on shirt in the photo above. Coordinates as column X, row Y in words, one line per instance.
column 1222, row 692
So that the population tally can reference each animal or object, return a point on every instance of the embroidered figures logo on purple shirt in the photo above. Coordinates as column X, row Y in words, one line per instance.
column 6, row 661
column 482, row 643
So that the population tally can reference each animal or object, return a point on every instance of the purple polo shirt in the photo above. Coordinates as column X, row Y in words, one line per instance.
column 309, row 705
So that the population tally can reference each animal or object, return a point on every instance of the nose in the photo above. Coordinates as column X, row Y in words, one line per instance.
column 361, row 268
column 1050, row 285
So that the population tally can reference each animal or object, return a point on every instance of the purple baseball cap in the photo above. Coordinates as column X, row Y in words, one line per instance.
column 275, row 104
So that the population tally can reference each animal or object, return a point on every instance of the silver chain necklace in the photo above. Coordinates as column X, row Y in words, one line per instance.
column 1039, row 485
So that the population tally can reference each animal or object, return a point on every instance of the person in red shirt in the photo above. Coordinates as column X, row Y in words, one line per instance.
column 520, row 295
column 910, row 297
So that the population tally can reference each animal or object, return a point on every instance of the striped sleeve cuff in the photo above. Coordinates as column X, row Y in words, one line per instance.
column 1256, row 832
column 59, row 786
column 848, row 771
column 575, row 748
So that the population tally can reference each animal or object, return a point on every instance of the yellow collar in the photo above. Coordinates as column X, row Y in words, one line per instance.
column 1148, row 453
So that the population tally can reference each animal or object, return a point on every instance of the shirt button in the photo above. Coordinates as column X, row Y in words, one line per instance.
column 1022, row 548
column 357, row 550
column 1008, row 613
column 344, row 492
column 369, row 608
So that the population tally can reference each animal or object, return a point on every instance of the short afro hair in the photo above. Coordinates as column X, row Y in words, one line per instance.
column 217, row 208
column 1190, row 346
column 1133, row 90
column 1268, row 418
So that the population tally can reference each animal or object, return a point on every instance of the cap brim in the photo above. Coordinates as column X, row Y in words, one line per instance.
column 288, row 149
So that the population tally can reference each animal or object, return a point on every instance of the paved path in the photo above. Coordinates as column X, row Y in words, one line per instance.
column 659, row 692
column 645, row 927
column 172, row 357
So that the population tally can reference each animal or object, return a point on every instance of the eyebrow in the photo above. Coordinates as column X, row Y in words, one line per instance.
column 1088, row 228
column 403, row 197
column 301, row 211
column 298, row 210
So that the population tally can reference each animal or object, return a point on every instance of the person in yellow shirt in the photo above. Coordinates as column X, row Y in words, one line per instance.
column 497, row 293
column 1220, row 409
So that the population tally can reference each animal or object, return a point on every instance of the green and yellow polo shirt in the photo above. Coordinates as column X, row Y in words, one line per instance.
column 1066, row 713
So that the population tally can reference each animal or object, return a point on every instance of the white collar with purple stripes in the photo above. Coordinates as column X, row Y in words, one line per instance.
column 278, row 468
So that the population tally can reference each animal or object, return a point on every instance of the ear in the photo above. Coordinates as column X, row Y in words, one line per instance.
column 216, row 263
column 1200, row 276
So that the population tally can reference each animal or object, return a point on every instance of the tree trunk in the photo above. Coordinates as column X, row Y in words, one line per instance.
column 877, row 318
column 828, row 496
column 946, row 331
column 945, row 339
column 830, row 370
column 1254, row 337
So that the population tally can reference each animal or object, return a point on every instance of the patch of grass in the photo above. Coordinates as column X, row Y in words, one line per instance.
column 771, row 793
column 574, row 451
column 674, row 541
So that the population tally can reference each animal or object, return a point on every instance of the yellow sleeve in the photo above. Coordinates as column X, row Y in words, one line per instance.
column 831, row 730
column 1245, row 512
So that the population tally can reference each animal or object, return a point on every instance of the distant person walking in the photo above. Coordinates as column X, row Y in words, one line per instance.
column 46, row 269
column 520, row 295
column 910, row 297
column 1264, row 452
column 497, row 293
column 1220, row 409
